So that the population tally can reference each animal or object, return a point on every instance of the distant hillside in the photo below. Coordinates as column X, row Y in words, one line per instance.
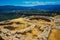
column 47, row 7
column 55, row 8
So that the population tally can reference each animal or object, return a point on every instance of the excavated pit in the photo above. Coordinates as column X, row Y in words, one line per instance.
column 38, row 18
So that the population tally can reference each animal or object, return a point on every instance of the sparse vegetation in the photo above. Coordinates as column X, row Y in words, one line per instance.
column 22, row 13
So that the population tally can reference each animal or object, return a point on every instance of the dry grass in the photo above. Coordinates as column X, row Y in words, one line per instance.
column 55, row 35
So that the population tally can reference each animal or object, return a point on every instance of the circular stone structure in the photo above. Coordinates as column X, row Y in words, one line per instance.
column 28, row 28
